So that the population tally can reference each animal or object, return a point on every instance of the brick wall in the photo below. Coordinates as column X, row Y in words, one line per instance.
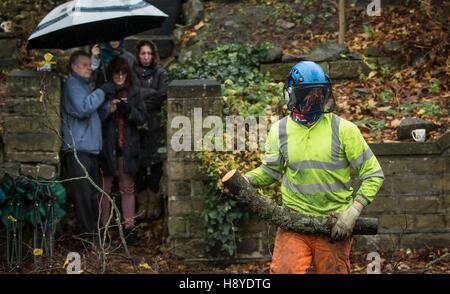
column 9, row 55
column 31, row 124
column 413, row 206
column 337, row 70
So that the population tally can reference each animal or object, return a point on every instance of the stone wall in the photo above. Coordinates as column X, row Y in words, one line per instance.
column 337, row 70
column 413, row 206
column 337, row 61
column 31, row 124
column 9, row 55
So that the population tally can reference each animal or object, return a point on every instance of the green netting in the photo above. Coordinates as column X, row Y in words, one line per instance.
column 2, row 196
column 2, row 199
column 25, row 195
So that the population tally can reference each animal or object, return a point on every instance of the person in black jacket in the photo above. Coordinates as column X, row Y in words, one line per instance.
column 121, row 147
column 101, row 56
column 152, row 81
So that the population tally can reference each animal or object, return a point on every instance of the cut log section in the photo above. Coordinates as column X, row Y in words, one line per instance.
column 285, row 218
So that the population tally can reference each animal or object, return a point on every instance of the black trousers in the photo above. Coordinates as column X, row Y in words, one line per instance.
column 84, row 194
column 149, row 179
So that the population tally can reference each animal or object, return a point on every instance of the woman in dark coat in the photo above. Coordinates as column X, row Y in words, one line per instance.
column 152, row 81
column 120, row 154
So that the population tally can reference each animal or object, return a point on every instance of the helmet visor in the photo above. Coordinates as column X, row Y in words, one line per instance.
column 310, row 99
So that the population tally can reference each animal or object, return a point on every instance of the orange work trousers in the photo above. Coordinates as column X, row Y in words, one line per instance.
column 293, row 254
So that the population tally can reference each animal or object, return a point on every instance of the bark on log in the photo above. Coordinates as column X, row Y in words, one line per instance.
column 286, row 218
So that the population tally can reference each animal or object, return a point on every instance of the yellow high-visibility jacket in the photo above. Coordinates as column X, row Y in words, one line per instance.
column 313, row 165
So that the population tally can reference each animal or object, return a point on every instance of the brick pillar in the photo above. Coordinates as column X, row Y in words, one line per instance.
column 9, row 56
column 185, row 189
column 31, row 124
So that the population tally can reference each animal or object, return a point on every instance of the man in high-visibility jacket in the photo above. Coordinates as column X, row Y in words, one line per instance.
column 310, row 152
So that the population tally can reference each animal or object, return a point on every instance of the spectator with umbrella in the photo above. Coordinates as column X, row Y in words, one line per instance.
column 80, row 23
column 102, row 54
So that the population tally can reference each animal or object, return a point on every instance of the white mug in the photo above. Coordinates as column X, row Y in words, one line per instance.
column 7, row 26
column 419, row 135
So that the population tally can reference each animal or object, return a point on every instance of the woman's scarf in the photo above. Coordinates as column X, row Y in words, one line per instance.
column 108, row 53
column 121, row 93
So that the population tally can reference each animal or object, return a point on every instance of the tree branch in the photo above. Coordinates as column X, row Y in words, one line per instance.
column 286, row 218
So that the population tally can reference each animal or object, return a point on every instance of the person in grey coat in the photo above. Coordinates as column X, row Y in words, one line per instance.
column 82, row 139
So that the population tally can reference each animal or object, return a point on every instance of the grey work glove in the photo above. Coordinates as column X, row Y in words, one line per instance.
column 343, row 227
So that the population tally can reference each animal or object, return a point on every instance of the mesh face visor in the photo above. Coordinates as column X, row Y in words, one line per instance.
column 311, row 99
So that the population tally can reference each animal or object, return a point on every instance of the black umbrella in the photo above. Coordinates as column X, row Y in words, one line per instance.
column 79, row 23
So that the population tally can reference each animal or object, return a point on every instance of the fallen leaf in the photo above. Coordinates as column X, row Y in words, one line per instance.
column 12, row 219
column 38, row 251
column 199, row 25
column 372, row 74
column 371, row 103
column 395, row 123
column 144, row 265
column 384, row 108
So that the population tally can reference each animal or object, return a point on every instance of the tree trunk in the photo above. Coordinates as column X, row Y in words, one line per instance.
column 341, row 10
column 286, row 218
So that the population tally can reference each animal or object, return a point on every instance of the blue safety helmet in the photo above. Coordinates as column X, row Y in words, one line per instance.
column 308, row 90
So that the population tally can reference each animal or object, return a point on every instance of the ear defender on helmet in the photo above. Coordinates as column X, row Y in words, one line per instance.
column 287, row 93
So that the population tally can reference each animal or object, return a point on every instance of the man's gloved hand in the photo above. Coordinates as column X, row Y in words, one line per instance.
column 108, row 88
column 343, row 227
column 123, row 107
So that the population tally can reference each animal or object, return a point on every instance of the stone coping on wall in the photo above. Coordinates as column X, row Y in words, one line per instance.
column 4, row 35
column 192, row 89
column 428, row 148
column 27, row 83
column 338, row 70
column 25, row 73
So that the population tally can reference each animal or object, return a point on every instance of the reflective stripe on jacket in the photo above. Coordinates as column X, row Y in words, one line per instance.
column 313, row 165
